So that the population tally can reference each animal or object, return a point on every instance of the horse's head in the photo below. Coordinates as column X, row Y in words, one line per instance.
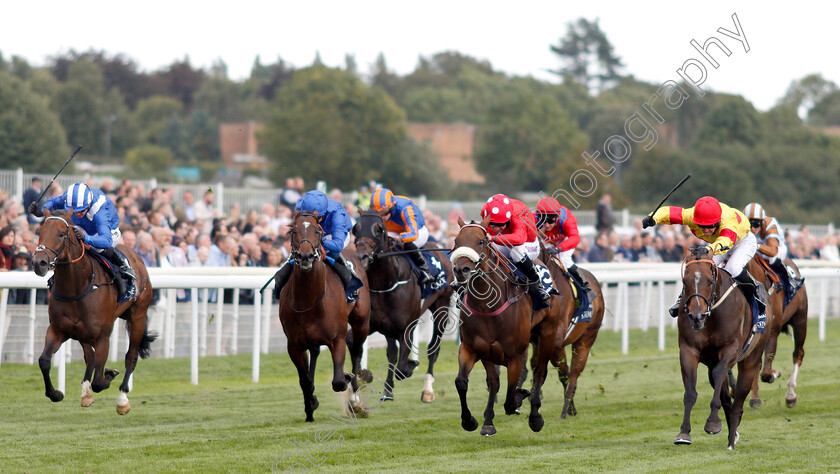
column 370, row 236
column 306, row 237
column 699, row 276
column 471, row 247
column 56, row 237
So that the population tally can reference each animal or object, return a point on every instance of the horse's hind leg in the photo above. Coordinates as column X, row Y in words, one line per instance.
column 688, row 367
column 406, row 366
column 579, row 355
column 539, row 364
column 717, row 377
column 136, row 334
column 440, row 316
column 52, row 342
column 747, row 372
column 768, row 375
column 102, row 377
column 87, row 393
column 493, row 386
column 359, row 331
column 515, row 395
column 800, row 328
column 392, row 351
column 338, row 350
column 466, row 361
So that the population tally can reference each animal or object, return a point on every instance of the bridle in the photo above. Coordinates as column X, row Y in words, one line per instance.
column 295, row 254
column 479, row 258
column 713, row 302
column 65, row 246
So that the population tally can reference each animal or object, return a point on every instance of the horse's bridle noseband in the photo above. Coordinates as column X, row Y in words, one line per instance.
column 65, row 246
column 710, row 302
column 316, row 248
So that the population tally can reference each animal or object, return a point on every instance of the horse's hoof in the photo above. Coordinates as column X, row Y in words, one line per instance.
column 413, row 364
column 488, row 431
column 731, row 445
column 315, row 403
column 536, row 422
column 56, row 396
column 387, row 396
column 365, row 376
column 790, row 403
column 469, row 425
column 87, row 401
column 755, row 403
column 122, row 410
column 572, row 410
column 713, row 427
column 683, row 438
column 339, row 386
column 111, row 374
column 427, row 397
column 309, row 418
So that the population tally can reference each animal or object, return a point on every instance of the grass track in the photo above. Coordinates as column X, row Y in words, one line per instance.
column 629, row 411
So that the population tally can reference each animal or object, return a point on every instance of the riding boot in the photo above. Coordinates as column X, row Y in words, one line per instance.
column 282, row 276
column 575, row 272
column 675, row 309
column 126, row 288
column 786, row 273
column 541, row 297
column 346, row 276
column 420, row 262
column 751, row 289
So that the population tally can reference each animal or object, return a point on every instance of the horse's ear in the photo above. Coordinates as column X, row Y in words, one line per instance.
column 47, row 212
column 295, row 214
column 485, row 222
column 461, row 222
column 384, row 212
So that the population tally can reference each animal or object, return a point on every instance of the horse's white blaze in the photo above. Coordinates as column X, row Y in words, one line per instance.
column 305, row 225
column 86, row 391
column 122, row 399
column 427, row 387
column 792, row 383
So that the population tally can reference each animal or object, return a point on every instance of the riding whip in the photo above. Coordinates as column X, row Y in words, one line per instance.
column 72, row 155
column 672, row 192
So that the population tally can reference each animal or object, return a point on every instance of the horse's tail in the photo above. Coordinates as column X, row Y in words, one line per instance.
column 786, row 328
column 144, row 351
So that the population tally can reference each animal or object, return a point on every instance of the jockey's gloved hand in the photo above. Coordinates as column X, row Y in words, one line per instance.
column 35, row 209
column 648, row 222
column 551, row 250
column 80, row 233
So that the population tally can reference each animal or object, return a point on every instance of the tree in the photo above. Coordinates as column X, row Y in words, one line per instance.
column 152, row 115
column 149, row 161
column 805, row 93
column 384, row 78
column 826, row 112
column 733, row 120
column 181, row 81
column 588, row 55
column 30, row 133
column 328, row 125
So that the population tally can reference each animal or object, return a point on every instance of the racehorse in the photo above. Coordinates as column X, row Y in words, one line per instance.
column 314, row 311
column 396, row 303
column 581, row 336
column 497, row 323
column 795, row 315
column 714, row 324
column 83, row 306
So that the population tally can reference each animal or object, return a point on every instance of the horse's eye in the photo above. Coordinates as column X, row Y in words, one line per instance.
column 62, row 234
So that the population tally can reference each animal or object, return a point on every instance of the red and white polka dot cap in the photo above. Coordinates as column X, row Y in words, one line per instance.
column 499, row 208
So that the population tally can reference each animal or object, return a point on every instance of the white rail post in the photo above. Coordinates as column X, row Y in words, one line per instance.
column 194, row 336
column 113, row 352
column 30, row 345
column 644, row 318
column 661, row 334
column 172, row 311
column 220, row 322
column 234, row 330
column 255, row 357
column 266, row 326
column 619, row 297
column 823, row 305
column 364, row 360
column 625, row 320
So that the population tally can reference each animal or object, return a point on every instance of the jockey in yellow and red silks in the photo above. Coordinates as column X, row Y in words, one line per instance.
column 404, row 223
column 726, row 229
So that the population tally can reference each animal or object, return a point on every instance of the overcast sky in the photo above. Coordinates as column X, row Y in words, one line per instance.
column 786, row 42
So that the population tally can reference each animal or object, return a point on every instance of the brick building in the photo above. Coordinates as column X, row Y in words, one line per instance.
column 453, row 144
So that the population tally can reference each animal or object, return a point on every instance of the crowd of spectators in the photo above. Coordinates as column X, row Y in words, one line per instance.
column 192, row 231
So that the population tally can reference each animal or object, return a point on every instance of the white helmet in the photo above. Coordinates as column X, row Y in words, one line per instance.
column 754, row 211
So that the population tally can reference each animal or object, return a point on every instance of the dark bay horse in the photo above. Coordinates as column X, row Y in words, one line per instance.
column 581, row 337
column 794, row 315
column 497, row 324
column 714, row 325
column 314, row 312
column 396, row 303
column 83, row 306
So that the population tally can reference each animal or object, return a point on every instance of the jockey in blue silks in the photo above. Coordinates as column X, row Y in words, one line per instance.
column 97, row 224
column 336, row 225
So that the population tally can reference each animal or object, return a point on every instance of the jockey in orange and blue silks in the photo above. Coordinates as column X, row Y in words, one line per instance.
column 405, row 223
column 727, row 230
column 336, row 224
column 97, row 224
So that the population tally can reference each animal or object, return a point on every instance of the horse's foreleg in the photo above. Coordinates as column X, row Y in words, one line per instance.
column 515, row 395
column 101, row 376
column 359, row 330
column 87, row 393
column 688, row 367
column 391, row 352
column 717, row 378
column 440, row 317
column 539, row 364
column 338, row 349
column 747, row 372
column 768, row 375
column 466, row 361
column 800, row 328
column 307, row 385
column 579, row 355
column 52, row 342
column 405, row 366
column 493, row 388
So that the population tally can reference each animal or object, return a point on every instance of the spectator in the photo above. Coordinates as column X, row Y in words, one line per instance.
column 145, row 248
column 129, row 239
column 31, row 195
column 265, row 243
column 829, row 249
column 601, row 251
column 28, row 241
column 205, row 212
column 671, row 251
column 649, row 252
column 7, row 241
column 604, row 219
column 290, row 194
column 186, row 210
column 624, row 252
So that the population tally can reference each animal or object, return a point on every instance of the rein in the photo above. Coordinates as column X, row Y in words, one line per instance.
column 715, row 302
column 91, row 286
column 318, row 256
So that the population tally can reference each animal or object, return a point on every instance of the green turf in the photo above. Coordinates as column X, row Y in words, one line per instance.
column 629, row 411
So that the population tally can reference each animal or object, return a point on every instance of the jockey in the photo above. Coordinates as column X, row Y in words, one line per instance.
column 97, row 224
column 561, row 237
column 771, row 242
column 725, row 228
column 404, row 222
column 336, row 225
column 513, row 230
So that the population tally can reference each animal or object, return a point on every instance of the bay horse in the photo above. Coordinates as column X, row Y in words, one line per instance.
column 314, row 312
column 497, row 324
column 794, row 315
column 714, row 325
column 83, row 306
column 396, row 303
column 581, row 336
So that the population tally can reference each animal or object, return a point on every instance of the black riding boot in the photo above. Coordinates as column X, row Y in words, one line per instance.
column 574, row 271
column 535, row 289
column 346, row 276
column 417, row 258
column 282, row 276
column 750, row 289
column 126, row 288
column 786, row 273
column 675, row 309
